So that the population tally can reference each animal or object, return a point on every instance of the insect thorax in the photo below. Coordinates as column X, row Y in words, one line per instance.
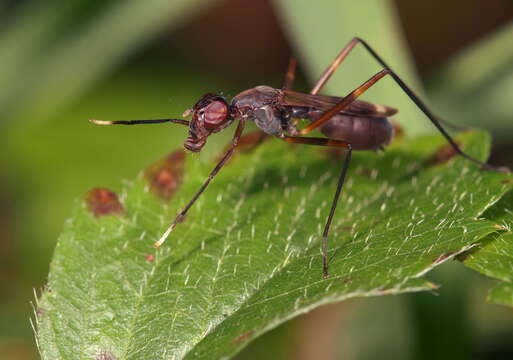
column 260, row 104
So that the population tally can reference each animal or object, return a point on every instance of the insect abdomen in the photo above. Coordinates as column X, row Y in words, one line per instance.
column 363, row 133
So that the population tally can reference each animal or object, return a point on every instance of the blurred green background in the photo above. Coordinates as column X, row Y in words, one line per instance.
column 64, row 62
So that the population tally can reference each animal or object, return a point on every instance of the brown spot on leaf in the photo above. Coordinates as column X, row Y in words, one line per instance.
column 105, row 355
column 149, row 257
column 347, row 280
column 166, row 176
column 334, row 153
column 243, row 337
column 247, row 143
column 442, row 155
column 398, row 130
column 501, row 227
column 251, row 140
column 506, row 181
column 347, row 228
column 101, row 202
column 443, row 257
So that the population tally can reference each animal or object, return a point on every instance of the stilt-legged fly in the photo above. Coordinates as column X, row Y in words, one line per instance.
column 345, row 121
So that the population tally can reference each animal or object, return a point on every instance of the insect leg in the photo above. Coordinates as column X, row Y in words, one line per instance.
column 212, row 174
column 345, row 102
column 423, row 107
column 341, row 57
column 334, row 65
column 288, row 82
column 336, row 143
column 249, row 142
column 252, row 140
column 136, row 122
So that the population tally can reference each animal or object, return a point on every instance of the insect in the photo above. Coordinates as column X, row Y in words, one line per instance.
column 346, row 122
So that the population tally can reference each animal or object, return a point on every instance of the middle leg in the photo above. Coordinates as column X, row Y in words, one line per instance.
column 342, row 176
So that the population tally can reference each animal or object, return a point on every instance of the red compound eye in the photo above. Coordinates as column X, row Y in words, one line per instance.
column 215, row 114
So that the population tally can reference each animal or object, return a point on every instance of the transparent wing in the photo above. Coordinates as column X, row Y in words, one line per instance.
column 323, row 102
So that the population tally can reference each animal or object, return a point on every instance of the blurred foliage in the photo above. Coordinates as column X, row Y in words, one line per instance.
column 319, row 33
column 477, row 84
column 52, row 52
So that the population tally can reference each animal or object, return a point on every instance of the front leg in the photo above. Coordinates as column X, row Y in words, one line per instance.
column 213, row 173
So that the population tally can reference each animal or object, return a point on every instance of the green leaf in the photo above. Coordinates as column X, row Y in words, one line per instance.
column 494, row 256
column 502, row 294
column 49, row 71
column 247, row 256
